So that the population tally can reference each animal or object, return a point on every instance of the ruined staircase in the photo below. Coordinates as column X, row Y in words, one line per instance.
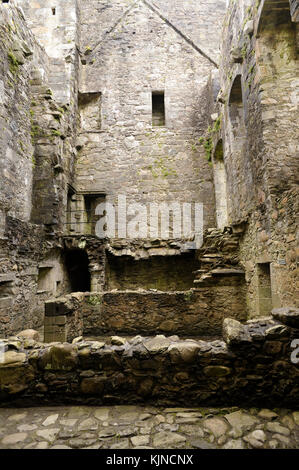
column 218, row 259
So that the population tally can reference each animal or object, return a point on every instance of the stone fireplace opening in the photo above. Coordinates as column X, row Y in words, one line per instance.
column 164, row 273
column 77, row 265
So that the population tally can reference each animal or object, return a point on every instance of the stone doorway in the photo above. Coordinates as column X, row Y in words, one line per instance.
column 77, row 265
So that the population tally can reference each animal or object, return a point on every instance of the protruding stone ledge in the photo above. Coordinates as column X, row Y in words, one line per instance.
column 234, row 332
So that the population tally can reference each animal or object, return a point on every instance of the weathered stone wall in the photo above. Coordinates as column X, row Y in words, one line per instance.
column 37, row 158
column 31, row 271
column 20, row 54
column 165, row 273
column 245, row 150
column 194, row 312
column 252, row 366
column 56, row 27
column 54, row 107
column 138, row 52
column 197, row 312
column 260, row 139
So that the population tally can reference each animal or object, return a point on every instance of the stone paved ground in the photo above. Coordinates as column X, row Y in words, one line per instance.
column 124, row 427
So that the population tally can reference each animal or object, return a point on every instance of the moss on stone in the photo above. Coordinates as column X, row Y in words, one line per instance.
column 207, row 142
column 94, row 300
column 13, row 63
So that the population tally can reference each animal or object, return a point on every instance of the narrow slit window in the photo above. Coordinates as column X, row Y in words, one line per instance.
column 54, row 11
column 264, row 289
column 158, row 109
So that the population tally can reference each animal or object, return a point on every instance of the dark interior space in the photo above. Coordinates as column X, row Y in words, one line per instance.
column 158, row 109
column 77, row 268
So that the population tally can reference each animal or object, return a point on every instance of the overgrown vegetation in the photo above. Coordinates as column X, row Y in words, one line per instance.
column 207, row 141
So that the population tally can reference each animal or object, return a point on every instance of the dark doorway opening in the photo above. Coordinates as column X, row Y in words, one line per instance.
column 77, row 267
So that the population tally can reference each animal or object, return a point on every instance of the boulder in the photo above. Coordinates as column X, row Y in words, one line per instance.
column 240, row 420
column 234, row 332
column 12, row 359
column 276, row 331
column 157, row 345
column 288, row 316
column 118, row 341
column 217, row 426
column 29, row 334
column 183, row 351
column 59, row 357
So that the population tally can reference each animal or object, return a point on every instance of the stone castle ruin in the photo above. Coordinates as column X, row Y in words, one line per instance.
column 109, row 103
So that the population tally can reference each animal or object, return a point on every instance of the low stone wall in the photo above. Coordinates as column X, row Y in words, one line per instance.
column 196, row 312
column 252, row 365
column 192, row 312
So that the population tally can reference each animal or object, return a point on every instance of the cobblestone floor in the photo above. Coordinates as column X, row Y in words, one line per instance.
column 127, row 427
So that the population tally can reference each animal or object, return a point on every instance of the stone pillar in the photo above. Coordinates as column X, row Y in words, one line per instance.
column 97, row 278
column 63, row 318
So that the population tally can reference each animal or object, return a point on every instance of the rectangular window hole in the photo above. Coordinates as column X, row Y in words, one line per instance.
column 53, row 11
column 91, row 201
column 44, row 282
column 6, row 287
column 90, row 107
column 158, row 108
column 264, row 289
